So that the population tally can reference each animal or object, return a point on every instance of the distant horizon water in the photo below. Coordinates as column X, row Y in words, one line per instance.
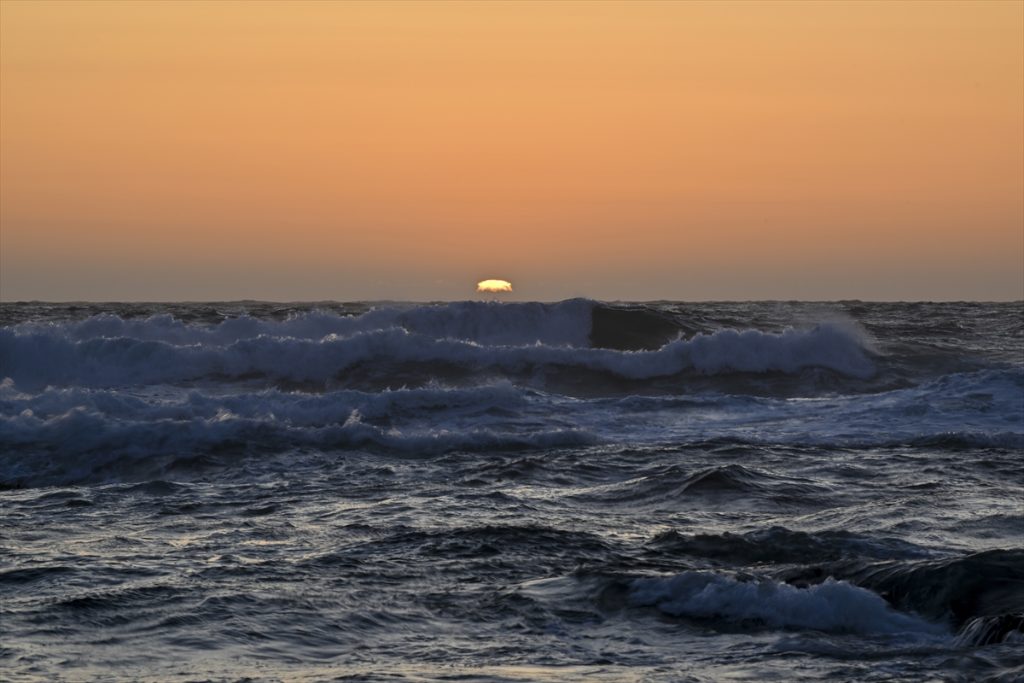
column 501, row 299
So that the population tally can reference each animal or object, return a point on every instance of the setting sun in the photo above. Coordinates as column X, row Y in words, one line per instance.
column 494, row 286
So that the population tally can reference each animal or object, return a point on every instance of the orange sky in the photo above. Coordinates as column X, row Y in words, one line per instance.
column 406, row 150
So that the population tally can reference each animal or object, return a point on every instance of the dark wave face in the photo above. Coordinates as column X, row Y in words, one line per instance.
column 512, row 491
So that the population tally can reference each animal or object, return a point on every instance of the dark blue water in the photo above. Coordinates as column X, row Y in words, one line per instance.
column 512, row 492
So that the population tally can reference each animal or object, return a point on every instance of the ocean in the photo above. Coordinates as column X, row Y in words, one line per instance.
column 497, row 491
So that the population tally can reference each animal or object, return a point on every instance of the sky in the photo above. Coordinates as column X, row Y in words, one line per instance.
column 614, row 150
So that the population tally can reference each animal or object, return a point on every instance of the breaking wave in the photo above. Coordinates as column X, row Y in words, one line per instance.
column 833, row 606
column 318, row 347
column 722, row 600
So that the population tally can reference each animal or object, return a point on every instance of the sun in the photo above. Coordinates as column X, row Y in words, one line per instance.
column 494, row 286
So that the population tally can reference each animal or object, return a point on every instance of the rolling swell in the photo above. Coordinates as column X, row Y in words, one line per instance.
column 780, row 546
column 678, row 485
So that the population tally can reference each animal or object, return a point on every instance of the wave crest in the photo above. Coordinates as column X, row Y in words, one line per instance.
column 107, row 351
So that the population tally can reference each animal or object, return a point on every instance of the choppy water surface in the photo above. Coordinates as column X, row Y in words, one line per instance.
column 510, row 492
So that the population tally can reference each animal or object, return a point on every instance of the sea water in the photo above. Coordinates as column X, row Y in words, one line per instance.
column 573, row 491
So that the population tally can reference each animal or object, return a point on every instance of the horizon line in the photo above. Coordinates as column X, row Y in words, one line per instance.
column 497, row 300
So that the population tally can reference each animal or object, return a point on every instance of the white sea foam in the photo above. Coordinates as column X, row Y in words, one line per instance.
column 293, row 408
column 80, row 444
